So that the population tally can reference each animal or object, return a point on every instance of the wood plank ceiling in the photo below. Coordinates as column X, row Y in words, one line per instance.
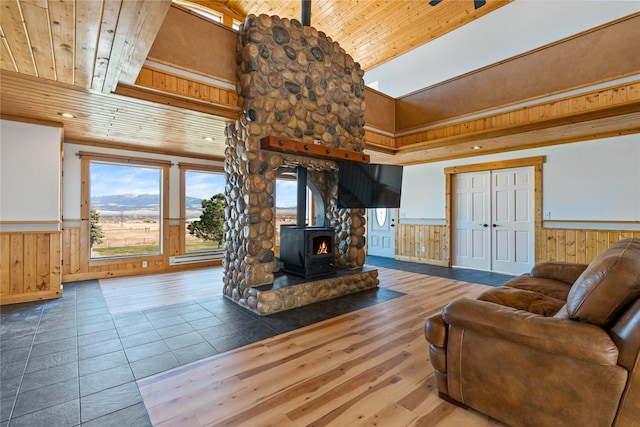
column 373, row 31
column 69, row 56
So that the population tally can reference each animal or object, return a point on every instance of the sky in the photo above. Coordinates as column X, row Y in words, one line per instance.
column 111, row 179
column 203, row 185
column 286, row 193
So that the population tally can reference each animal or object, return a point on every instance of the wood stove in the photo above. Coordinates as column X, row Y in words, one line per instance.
column 307, row 251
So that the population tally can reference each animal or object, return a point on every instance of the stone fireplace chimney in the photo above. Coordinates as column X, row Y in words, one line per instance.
column 294, row 82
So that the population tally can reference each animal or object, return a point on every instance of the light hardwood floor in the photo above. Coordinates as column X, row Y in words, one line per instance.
column 127, row 294
column 366, row 368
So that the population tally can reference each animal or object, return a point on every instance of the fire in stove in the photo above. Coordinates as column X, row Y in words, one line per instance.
column 323, row 248
column 322, row 245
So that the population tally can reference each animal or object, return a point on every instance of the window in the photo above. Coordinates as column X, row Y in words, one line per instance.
column 199, row 186
column 203, row 11
column 286, row 202
column 236, row 25
column 125, row 204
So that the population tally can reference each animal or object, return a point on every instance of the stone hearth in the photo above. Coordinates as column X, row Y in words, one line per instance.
column 293, row 82
column 288, row 292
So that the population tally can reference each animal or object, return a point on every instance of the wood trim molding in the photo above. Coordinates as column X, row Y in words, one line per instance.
column 124, row 159
column 171, row 83
column 32, row 121
column 506, row 164
column 189, row 103
column 607, row 102
column 201, row 167
column 35, row 221
column 597, row 104
column 284, row 145
column 535, row 162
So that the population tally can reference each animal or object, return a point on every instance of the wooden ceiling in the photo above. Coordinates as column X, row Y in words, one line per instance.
column 70, row 55
column 372, row 31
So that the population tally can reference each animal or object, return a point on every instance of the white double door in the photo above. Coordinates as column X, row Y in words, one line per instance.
column 493, row 217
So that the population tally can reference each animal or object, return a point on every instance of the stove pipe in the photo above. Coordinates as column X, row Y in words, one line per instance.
column 301, row 210
column 306, row 13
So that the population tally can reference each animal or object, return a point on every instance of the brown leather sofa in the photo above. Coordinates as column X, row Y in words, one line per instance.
column 556, row 347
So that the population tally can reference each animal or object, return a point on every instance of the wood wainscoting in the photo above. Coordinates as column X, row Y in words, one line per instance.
column 552, row 244
column 77, row 266
column 411, row 238
column 577, row 245
column 29, row 266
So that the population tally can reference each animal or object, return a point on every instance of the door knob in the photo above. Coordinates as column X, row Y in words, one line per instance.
column 485, row 225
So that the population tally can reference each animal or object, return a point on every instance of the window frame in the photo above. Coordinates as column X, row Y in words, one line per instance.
column 184, row 168
column 85, row 206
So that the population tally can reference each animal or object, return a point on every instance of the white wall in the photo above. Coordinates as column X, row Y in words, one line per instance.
column 29, row 176
column 72, row 178
column 587, row 181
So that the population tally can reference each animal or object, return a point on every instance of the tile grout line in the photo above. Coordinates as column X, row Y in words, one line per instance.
column 78, row 358
column 24, row 370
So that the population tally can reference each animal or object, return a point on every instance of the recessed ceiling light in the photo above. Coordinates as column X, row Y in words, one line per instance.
column 476, row 147
column 68, row 115
column 208, row 138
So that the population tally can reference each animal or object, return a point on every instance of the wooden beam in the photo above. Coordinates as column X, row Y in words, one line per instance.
column 284, row 145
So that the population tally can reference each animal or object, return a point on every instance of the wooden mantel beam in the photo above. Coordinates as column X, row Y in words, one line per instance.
column 284, row 145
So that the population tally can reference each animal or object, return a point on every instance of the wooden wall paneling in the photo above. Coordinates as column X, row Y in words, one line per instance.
column 411, row 239
column 164, row 81
column 561, row 249
column 525, row 117
column 578, row 245
column 16, row 270
column 581, row 246
column 5, row 263
column 591, row 249
column 379, row 141
column 29, row 266
column 175, row 238
column 29, row 256
column 71, row 257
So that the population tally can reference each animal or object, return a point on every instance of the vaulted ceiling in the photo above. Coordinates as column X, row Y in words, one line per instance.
column 70, row 56
column 374, row 31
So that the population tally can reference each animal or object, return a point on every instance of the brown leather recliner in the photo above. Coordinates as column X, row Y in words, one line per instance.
column 556, row 347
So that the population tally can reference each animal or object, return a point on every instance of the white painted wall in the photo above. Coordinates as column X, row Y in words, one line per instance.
column 587, row 181
column 29, row 175
column 71, row 168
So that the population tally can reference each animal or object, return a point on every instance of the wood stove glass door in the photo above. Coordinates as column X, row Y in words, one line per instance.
column 381, row 232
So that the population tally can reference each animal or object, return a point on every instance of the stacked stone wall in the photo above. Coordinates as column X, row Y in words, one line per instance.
column 293, row 82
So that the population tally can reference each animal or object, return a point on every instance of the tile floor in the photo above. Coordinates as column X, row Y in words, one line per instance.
column 70, row 362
